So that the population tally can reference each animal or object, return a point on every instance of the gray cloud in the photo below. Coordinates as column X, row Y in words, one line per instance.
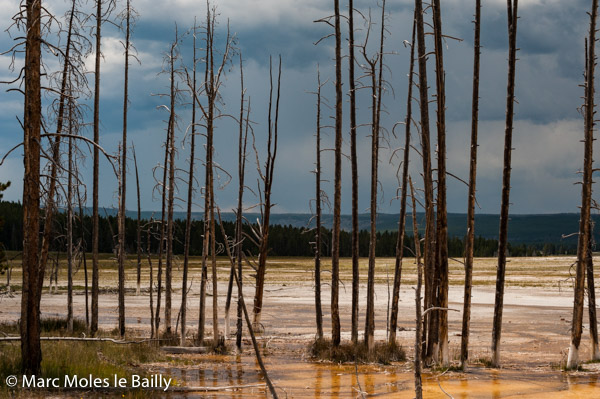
column 547, row 131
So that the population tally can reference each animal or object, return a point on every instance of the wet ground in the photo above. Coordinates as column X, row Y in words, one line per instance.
column 295, row 378
column 535, row 336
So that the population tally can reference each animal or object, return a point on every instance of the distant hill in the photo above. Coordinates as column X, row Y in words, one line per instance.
column 525, row 229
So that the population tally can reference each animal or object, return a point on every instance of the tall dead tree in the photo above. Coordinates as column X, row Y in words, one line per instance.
column 403, row 195
column 31, row 351
column 583, row 241
column 469, row 245
column 190, row 196
column 591, row 289
column 242, row 142
column 138, row 229
column 318, row 244
column 123, row 177
column 418, row 317
column 162, row 234
column 153, row 330
column 375, row 71
column 442, row 212
column 429, row 245
column 100, row 17
column 70, row 184
column 337, row 196
column 512, row 7
column 248, row 324
column 354, row 163
column 207, row 187
column 266, row 177
column 237, row 259
column 212, row 83
column 50, row 206
column 171, row 188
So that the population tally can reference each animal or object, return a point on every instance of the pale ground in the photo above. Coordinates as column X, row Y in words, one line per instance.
column 535, row 337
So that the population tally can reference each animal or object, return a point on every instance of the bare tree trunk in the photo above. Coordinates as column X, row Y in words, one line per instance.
column 31, row 351
column 207, row 188
column 442, row 216
column 583, row 242
column 50, row 208
column 190, row 198
column 318, row 307
column 249, row 325
column 354, row 162
column 96, row 169
column 205, row 249
column 211, row 209
column 419, row 324
column 429, row 247
column 123, row 183
column 589, row 261
column 267, row 178
column 210, row 112
column 402, row 218
column 169, row 264
column 238, row 221
column 503, row 236
column 83, row 251
column 153, row 330
column 161, row 242
column 376, row 88
column 70, row 222
column 337, row 196
column 469, row 245
column 139, row 227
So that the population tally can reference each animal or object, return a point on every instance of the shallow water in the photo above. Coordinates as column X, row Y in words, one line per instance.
column 295, row 378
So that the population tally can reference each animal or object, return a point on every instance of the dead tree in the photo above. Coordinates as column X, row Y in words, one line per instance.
column 266, row 177
column 429, row 245
column 161, row 241
column 190, row 196
column 83, row 245
column 586, row 195
column 153, row 330
column 441, row 317
column 404, row 188
column 70, row 184
column 239, row 220
column 374, row 64
column 171, row 188
column 123, row 177
column 50, row 208
column 337, row 196
column 238, row 281
column 418, row 321
column 469, row 245
column 512, row 7
column 212, row 83
column 589, row 261
column 318, row 195
column 101, row 16
column 242, row 142
column 354, row 163
column 138, row 225
column 31, row 351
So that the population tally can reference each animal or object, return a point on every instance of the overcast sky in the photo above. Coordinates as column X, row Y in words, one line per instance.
column 548, row 128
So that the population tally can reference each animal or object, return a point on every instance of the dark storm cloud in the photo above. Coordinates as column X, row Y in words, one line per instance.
column 547, row 127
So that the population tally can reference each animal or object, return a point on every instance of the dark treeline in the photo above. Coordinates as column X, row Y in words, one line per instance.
column 284, row 240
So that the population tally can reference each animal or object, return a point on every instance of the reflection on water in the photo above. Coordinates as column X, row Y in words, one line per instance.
column 295, row 378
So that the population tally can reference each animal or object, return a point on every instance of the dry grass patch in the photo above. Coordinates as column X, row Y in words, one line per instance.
column 382, row 352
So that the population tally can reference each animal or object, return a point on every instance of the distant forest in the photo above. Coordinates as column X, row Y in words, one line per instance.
column 284, row 240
